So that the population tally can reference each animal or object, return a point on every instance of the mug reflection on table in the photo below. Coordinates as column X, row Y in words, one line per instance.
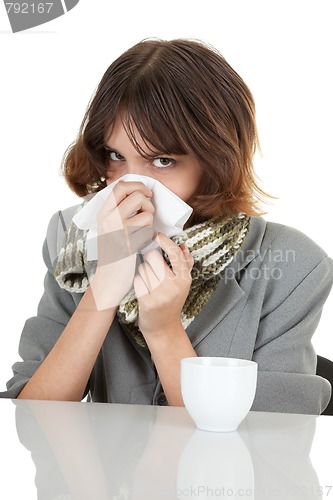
column 215, row 465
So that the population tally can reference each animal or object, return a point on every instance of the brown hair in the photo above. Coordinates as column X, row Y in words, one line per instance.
column 183, row 97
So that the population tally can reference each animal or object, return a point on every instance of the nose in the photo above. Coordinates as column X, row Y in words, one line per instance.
column 136, row 166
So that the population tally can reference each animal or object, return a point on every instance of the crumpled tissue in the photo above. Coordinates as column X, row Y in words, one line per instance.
column 171, row 213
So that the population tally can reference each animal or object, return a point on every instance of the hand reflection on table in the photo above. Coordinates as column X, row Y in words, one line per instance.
column 156, row 453
column 82, row 454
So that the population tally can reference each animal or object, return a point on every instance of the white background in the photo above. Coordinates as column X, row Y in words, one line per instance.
column 283, row 50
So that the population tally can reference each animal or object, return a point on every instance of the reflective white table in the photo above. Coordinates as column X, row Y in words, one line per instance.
column 90, row 451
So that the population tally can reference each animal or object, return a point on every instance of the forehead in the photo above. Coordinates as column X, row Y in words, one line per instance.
column 122, row 138
column 118, row 134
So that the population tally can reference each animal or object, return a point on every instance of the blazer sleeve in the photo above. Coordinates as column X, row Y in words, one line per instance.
column 287, row 380
column 55, row 308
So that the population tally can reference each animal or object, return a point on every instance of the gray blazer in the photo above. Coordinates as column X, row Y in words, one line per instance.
column 266, row 308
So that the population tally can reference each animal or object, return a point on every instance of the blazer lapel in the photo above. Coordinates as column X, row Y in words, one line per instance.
column 225, row 297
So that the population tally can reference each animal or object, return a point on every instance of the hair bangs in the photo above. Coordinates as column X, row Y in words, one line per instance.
column 151, row 114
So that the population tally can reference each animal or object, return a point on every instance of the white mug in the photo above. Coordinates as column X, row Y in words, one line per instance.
column 218, row 392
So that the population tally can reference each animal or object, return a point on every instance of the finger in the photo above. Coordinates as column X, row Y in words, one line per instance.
column 179, row 262
column 187, row 254
column 134, row 203
column 140, row 287
column 139, row 220
column 118, row 244
column 139, row 237
column 157, row 264
column 148, row 276
column 122, row 214
column 121, row 191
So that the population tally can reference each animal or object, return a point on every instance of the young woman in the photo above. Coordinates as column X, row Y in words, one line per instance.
column 231, row 284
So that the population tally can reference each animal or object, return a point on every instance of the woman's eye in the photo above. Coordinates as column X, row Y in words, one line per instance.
column 163, row 162
column 116, row 156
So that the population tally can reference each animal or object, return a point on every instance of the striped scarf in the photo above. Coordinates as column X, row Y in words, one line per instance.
column 213, row 245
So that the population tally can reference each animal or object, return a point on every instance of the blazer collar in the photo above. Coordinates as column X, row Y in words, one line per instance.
column 252, row 244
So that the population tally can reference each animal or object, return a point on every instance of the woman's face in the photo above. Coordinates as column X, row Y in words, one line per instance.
column 181, row 174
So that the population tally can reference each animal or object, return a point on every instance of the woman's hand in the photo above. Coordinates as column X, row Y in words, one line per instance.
column 124, row 226
column 162, row 291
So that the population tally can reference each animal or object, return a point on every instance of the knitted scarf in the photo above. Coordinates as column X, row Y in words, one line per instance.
column 213, row 245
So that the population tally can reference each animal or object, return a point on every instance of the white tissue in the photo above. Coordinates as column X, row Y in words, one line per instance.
column 170, row 215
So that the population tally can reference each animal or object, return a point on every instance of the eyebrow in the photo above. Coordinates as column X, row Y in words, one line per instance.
column 154, row 155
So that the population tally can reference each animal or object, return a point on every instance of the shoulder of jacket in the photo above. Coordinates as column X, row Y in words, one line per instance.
column 295, row 256
column 276, row 244
column 57, row 227
column 290, row 260
column 288, row 238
